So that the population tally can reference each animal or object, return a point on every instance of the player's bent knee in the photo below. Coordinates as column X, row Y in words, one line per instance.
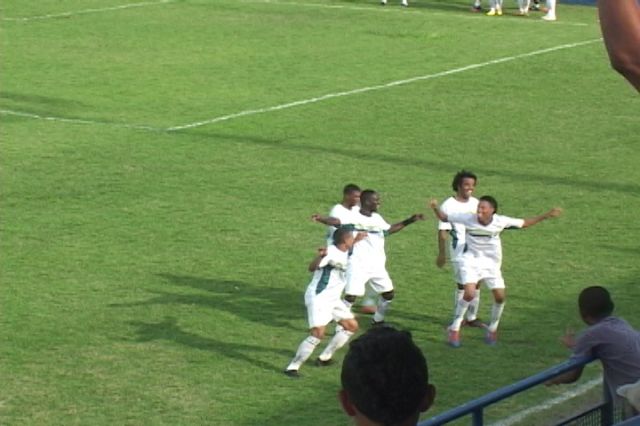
column 388, row 295
column 318, row 332
column 350, row 325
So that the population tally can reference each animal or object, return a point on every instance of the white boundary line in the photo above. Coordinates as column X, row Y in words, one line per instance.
column 417, row 12
column 517, row 418
column 378, row 87
column 77, row 120
column 85, row 11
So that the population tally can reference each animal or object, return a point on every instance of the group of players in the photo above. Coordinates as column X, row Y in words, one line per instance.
column 495, row 7
column 355, row 259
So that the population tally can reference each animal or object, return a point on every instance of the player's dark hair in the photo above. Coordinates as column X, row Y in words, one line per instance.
column 489, row 199
column 595, row 302
column 348, row 189
column 366, row 194
column 340, row 234
column 385, row 375
column 460, row 176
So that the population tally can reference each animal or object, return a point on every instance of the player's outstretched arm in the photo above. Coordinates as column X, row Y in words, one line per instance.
column 433, row 205
column 620, row 24
column 326, row 220
column 322, row 252
column 530, row 221
column 401, row 225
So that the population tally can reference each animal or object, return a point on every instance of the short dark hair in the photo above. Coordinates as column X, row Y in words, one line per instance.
column 339, row 234
column 385, row 375
column 348, row 189
column 460, row 176
column 595, row 302
column 366, row 194
column 489, row 199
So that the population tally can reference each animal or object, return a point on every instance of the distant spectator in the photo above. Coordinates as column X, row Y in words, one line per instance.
column 385, row 379
column 609, row 338
column 620, row 23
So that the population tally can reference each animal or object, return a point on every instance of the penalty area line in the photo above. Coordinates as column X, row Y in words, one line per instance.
column 77, row 120
column 517, row 418
column 380, row 86
column 86, row 11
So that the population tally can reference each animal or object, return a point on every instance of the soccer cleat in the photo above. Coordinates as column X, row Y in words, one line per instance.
column 491, row 338
column 476, row 9
column 375, row 323
column 491, row 12
column 499, row 12
column 549, row 17
column 453, row 338
column 292, row 373
column 324, row 363
column 474, row 323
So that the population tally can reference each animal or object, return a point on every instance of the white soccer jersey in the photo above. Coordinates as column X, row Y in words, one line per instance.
column 456, row 242
column 369, row 252
column 330, row 277
column 343, row 214
column 483, row 241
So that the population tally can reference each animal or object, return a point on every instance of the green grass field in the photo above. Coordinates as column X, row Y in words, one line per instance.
column 153, row 273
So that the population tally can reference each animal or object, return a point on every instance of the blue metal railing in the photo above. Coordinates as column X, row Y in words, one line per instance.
column 476, row 407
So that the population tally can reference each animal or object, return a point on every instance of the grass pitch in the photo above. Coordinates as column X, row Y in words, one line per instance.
column 160, row 161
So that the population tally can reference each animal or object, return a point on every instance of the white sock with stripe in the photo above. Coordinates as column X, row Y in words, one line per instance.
column 305, row 350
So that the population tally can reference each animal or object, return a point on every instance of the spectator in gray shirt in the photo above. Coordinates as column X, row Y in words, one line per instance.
column 610, row 339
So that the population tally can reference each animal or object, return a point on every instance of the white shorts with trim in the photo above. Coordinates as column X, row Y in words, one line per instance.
column 322, row 309
column 482, row 272
column 379, row 280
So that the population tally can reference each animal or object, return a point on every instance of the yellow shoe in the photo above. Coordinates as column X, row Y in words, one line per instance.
column 492, row 12
column 499, row 12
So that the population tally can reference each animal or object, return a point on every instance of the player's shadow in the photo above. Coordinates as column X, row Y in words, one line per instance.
column 39, row 103
column 260, row 304
column 169, row 330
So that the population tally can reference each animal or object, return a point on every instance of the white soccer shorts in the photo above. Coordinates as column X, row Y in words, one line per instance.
column 321, row 310
column 357, row 278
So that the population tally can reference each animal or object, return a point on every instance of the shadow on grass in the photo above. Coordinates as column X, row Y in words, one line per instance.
column 287, row 144
column 261, row 304
column 171, row 331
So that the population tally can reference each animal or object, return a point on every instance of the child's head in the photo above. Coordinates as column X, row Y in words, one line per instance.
column 595, row 304
column 343, row 236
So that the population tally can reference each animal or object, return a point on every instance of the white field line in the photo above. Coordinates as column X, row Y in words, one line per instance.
column 517, row 418
column 77, row 120
column 85, row 11
column 380, row 86
column 416, row 12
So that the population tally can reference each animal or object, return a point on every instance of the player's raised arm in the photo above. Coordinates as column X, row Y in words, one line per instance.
column 326, row 220
column 433, row 205
column 401, row 225
column 554, row 212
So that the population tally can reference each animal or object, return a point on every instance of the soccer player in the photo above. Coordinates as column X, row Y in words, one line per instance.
column 464, row 183
column 607, row 337
column 482, row 259
column 368, row 260
column 324, row 302
column 496, row 8
column 342, row 211
column 385, row 379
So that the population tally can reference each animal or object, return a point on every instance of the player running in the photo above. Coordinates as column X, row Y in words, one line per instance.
column 482, row 259
column 464, row 184
column 323, row 299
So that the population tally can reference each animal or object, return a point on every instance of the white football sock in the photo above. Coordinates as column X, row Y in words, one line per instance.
column 341, row 337
column 305, row 350
column 472, row 312
column 476, row 3
column 496, row 313
column 461, row 309
column 551, row 5
column 383, row 305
